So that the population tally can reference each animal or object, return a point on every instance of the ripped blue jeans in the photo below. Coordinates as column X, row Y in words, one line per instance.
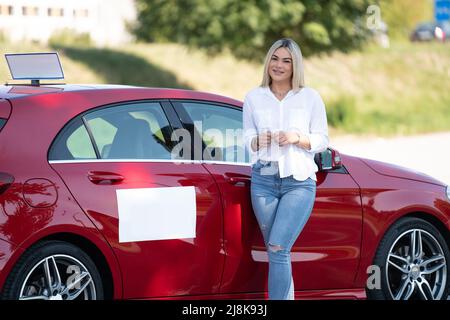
column 282, row 207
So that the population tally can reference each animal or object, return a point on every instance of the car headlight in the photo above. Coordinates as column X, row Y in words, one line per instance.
column 448, row 192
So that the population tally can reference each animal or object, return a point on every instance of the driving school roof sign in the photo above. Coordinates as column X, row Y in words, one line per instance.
column 34, row 66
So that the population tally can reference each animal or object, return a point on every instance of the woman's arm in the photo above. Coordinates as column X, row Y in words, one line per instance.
column 253, row 141
column 303, row 142
column 318, row 129
column 250, row 131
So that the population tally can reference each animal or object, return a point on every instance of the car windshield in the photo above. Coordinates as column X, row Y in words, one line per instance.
column 425, row 26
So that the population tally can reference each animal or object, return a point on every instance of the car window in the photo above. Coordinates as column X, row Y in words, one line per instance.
column 131, row 131
column 426, row 26
column 221, row 130
column 72, row 143
column 2, row 123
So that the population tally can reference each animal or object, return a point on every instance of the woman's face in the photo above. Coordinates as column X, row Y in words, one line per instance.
column 280, row 65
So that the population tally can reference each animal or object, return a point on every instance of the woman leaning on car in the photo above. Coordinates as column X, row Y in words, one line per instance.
column 285, row 124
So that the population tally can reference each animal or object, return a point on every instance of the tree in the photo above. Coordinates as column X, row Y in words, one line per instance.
column 249, row 27
column 403, row 15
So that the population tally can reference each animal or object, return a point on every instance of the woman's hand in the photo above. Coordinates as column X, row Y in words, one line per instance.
column 286, row 137
column 291, row 137
column 262, row 141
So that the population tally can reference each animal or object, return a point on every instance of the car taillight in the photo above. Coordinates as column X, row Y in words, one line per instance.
column 5, row 181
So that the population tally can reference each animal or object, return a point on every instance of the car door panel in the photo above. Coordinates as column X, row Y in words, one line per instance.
column 326, row 254
column 159, row 267
column 156, row 268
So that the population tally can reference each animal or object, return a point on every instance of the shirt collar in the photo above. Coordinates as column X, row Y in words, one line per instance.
column 269, row 93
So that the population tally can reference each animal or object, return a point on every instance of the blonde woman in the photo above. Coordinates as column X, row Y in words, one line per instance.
column 285, row 124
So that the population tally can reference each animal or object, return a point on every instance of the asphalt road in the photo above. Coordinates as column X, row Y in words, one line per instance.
column 428, row 153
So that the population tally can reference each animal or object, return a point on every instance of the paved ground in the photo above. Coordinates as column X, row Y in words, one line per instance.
column 428, row 153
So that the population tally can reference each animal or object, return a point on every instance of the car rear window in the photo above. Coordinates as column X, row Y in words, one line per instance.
column 73, row 143
column 5, row 111
column 131, row 131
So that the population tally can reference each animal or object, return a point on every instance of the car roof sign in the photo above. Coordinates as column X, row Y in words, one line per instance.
column 34, row 66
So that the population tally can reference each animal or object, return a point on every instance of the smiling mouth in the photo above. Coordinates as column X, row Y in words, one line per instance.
column 277, row 72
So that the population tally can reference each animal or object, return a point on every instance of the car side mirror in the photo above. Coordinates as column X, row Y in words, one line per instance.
column 329, row 159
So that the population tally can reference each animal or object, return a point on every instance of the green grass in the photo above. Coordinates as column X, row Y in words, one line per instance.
column 401, row 90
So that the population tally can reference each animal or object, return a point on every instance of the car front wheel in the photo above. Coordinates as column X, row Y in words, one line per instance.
column 54, row 270
column 413, row 259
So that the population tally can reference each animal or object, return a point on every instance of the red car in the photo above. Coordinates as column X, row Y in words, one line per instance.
column 72, row 158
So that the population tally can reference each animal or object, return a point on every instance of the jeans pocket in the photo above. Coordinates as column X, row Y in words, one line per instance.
column 259, row 164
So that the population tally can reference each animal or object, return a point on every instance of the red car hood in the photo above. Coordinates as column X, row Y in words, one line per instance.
column 393, row 170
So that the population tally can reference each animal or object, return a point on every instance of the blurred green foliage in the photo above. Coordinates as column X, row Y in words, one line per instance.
column 248, row 28
column 403, row 15
column 68, row 37
column 3, row 37
column 341, row 112
column 119, row 67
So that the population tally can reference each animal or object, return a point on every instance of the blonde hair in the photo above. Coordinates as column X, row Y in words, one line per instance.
column 298, row 78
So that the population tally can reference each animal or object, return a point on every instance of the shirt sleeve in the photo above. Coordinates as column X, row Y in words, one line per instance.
column 318, row 128
column 250, row 130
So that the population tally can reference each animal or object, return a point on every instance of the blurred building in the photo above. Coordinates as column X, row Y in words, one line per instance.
column 104, row 20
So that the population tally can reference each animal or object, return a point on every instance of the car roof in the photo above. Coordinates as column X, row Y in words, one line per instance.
column 425, row 25
column 12, row 92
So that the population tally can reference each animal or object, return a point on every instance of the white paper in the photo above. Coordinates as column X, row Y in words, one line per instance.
column 156, row 213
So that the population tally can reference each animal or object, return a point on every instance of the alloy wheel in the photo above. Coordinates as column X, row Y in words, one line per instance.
column 58, row 277
column 416, row 267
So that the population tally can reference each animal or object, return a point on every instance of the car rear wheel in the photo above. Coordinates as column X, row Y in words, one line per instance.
column 413, row 260
column 54, row 270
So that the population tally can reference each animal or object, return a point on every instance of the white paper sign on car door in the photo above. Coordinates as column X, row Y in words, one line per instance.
column 156, row 213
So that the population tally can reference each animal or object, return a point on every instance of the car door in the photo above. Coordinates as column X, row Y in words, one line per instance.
column 326, row 254
column 161, row 216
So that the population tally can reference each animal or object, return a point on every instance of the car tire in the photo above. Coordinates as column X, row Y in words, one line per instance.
column 404, row 275
column 54, row 270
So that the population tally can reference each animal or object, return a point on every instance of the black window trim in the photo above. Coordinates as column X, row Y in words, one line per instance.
column 176, row 115
column 91, row 137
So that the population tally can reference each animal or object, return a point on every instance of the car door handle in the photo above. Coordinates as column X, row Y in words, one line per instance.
column 101, row 177
column 236, row 178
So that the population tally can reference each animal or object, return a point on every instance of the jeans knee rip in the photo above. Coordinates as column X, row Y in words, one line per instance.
column 275, row 248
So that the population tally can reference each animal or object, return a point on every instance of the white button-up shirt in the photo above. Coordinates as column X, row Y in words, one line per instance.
column 303, row 112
